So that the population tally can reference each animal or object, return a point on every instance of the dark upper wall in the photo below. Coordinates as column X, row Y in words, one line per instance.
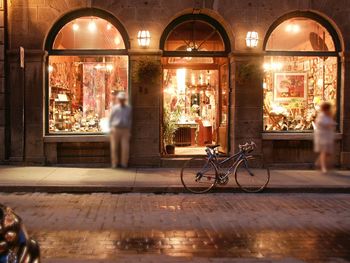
column 31, row 20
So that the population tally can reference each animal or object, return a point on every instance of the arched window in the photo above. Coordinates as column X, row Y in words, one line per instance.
column 88, row 32
column 195, row 83
column 301, row 70
column 87, row 63
column 195, row 35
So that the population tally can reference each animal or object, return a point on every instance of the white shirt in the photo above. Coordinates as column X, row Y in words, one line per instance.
column 325, row 129
column 120, row 116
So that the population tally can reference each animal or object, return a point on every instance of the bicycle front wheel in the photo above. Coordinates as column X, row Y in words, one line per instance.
column 198, row 175
column 251, row 180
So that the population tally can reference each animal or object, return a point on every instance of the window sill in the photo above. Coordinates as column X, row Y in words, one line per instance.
column 293, row 136
column 76, row 138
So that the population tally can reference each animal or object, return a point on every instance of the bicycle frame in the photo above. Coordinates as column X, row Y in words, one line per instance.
column 237, row 157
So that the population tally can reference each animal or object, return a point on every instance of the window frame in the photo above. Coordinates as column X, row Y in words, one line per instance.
column 219, row 54
column 338, row 48
column 193, row 17
column 80, row 52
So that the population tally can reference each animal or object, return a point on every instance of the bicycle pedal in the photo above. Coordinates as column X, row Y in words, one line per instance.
column 223, row 179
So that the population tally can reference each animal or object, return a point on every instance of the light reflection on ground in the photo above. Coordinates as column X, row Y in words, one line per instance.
column 308, row 245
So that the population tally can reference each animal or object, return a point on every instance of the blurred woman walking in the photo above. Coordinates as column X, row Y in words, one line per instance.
column 324, row 137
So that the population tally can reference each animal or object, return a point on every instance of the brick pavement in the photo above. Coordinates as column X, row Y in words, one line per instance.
column 174, row 228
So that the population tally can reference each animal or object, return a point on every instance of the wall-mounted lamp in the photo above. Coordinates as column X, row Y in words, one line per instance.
column 252, row 39
column 143, row 38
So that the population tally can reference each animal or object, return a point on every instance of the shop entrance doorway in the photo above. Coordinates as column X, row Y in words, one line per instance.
column 195, row 104
column 195, row 101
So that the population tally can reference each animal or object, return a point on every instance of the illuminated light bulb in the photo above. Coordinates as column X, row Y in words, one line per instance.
column 293, row 28
column 296, row 28
column 75, row 27
column 109, row 26
column 117, row 40
column 50, row 68
column 109, row 67
column 276, row 66
column 98, row 66
column 92, row 26
column 267, row 66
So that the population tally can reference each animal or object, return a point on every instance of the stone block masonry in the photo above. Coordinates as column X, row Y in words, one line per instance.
column 2, row 82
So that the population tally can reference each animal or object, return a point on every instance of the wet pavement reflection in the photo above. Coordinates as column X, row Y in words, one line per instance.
column 174, row 228
column 306, row 245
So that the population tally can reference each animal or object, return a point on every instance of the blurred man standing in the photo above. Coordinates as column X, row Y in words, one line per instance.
column 120, row 124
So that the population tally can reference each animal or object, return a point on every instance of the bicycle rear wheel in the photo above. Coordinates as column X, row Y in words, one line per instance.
column 251, row 180
column 198, row 175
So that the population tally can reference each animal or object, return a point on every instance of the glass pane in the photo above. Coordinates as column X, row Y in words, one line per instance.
column 80, row 89
column 89, row 33
column 294, row 87
column 191, row 106
column 300, row 34
column 194, row 36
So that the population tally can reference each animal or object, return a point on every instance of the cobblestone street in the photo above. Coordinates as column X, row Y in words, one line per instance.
column 177, row 228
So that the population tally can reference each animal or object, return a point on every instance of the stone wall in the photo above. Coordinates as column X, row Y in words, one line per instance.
column 146, row 96
column 246, row 99
column 2, row 82
column 31, row 20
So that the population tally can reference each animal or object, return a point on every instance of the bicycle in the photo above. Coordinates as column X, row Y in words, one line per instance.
column 201, row 174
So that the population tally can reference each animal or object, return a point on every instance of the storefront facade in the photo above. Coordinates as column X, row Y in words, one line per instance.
column 218, row 71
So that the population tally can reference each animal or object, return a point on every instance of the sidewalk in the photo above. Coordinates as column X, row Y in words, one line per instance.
column 152, row 180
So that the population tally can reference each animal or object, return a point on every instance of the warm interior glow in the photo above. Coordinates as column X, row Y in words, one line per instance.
column 181, row 80
column 92, row 26
column 293, row 28
column 300, row 34
column 88, row 33
column 80, row 91
column 196, row 102
column 294, row 87
column 75, row 27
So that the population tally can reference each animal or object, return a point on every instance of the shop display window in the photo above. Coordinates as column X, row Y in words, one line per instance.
column 80, row 89
column 294, row 87
column 295, row 84
column 196, row 102
column 87, row 64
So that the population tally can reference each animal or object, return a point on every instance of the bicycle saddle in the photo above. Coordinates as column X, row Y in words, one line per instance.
column 213, row 146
